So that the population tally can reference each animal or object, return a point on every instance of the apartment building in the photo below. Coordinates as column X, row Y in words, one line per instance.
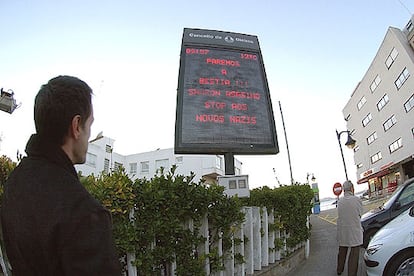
column 102, row 158
column 380, row 114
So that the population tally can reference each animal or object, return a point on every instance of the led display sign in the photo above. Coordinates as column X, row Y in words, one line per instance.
column 223, row 100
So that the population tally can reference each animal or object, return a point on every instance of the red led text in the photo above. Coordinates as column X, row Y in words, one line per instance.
column 239, row 106
column 215, row 105
column 204, row 92
column 243, row 120
column 243, row 95
column 248, row 56
column 214, row 81
column 225, row 62
column 192, row 51
column 213, row 118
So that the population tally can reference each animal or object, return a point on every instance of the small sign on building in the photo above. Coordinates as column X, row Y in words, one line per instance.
column 235, row 185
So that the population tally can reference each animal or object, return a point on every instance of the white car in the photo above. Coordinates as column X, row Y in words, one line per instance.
column 391, row 250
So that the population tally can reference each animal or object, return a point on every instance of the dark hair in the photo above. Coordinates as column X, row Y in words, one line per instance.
column 56, row 104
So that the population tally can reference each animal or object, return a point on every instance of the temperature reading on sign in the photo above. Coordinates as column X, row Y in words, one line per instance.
column 248, row 56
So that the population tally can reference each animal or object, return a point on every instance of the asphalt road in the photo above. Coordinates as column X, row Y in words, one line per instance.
column 323, row 245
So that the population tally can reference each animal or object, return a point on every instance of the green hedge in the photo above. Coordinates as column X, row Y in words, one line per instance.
column 6, row 167
column 163, row 204
column 161, row 207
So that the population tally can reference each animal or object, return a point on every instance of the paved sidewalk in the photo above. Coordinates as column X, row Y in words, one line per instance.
column 323, row 245
column 323, row 251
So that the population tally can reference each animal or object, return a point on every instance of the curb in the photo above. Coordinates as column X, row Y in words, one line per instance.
column 283, row 266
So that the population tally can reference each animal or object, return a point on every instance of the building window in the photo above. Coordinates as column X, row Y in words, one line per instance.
column 178, row 159
column 372, row 138
column 106, row 165
column 390, row 122
column 242, row 184
column 409, row 26
column 237, row 171
column 375, row 83
column 382, row 102
column 359, row 166
column 133, row 167
column 402, row 78
column 367, row 119
column 412, row 131
column 162, row 163
column 117, row 166
column 91, row 159
column 361, row 103
column 108, row 148
column 356, row 148
column 232, row 184
column 145, row 167
column 376, row 157
column 391, row 57
column 396, row 145
column 409, row 104
column 219, row 162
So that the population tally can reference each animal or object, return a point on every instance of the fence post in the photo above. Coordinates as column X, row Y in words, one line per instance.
column 220, row 248
column 278, row 236
column 204, row 248
column 271, row 221
column 248, row 249
column 3, row 263
column 307, row 244
column 229, row 263
column 265, row 238
column 132, row 270
column 257, row 239
column 239, row 249
column 219, row 245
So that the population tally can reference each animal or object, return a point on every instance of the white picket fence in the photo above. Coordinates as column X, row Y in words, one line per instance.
column 257, row 245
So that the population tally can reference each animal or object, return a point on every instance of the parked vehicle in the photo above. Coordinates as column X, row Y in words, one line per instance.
column 400, row 200
column 365, row 195
column 391, row 250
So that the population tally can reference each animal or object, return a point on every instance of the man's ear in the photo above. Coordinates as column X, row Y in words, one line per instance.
column 76, row 126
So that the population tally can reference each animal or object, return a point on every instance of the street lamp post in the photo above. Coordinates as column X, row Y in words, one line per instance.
column 350, row 143
column 313, row 178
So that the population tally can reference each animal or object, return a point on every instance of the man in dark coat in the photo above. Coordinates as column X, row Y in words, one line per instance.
column 51, row 224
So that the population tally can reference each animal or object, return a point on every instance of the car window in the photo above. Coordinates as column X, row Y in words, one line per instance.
column 391, row 200
column 407, row 196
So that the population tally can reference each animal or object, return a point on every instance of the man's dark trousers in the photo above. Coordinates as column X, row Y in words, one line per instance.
column 352, row 260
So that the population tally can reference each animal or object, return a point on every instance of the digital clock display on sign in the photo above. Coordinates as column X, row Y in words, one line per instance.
column 223, row 102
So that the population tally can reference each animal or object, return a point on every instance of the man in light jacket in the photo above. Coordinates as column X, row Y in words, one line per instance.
column 349, row 229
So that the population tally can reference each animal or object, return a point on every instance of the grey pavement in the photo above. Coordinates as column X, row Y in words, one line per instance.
column 323, row 251
column 324, row 247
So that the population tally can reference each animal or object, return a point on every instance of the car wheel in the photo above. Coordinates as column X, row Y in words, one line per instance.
column 402, row 264
column 368, row 236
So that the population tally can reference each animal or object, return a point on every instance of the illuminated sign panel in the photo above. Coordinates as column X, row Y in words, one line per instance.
column 223, row 101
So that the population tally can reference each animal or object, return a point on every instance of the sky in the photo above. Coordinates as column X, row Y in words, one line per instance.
column 314, row 53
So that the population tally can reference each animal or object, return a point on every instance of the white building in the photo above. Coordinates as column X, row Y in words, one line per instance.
column 101, row 158
column 380, row 113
